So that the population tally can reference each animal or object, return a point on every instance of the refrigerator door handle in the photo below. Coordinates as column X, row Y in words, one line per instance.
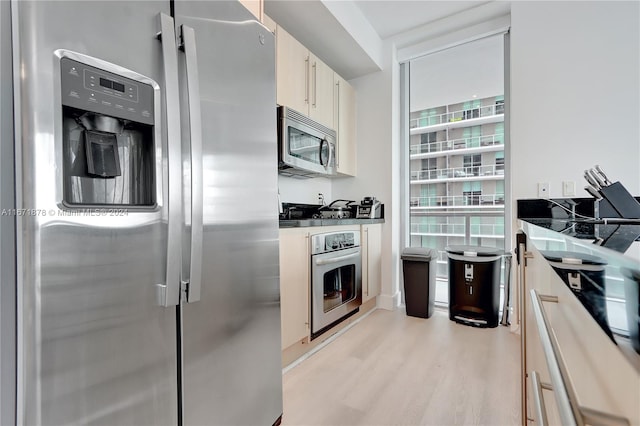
column 169, row 292
column 195, row 126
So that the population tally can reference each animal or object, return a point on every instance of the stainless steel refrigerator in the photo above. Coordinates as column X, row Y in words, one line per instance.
column 139, row 227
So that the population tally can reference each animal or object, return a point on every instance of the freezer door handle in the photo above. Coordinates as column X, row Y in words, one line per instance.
column 169, row 291
column 195, row 126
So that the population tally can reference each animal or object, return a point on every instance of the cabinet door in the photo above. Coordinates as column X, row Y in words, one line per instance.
column 294, row 285
column 601, row 375
column 371, row 261
column 345, row 122
column 271, row 24
column 321, row 92
column 292, row 63
column 255, row 6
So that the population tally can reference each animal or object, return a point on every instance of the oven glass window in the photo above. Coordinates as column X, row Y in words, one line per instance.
column 339, row 286
column 306, row 146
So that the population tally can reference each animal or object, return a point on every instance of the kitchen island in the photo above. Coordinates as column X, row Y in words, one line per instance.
column 580, row 348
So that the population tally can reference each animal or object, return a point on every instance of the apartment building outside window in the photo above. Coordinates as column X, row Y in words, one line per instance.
column 456, row 152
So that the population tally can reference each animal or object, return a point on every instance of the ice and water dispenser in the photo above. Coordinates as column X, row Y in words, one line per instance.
column 108, row 138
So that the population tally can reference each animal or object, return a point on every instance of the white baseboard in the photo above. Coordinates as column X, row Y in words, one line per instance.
column 388, row 302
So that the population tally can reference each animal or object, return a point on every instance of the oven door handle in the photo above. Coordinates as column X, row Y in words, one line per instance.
column 336, row 259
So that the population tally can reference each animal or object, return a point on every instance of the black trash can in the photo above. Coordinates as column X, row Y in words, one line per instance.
column 419, row 270
column 584, row 275
column 474, row 285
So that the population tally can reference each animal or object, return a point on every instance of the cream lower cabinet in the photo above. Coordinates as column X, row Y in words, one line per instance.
column 371, row 242
column 345, row 123
column 605, row 384
column 294, row 285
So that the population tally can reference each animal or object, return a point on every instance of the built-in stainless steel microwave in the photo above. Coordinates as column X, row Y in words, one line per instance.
column 305, row 148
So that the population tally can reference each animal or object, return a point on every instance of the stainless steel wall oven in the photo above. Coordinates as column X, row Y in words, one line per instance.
column 336, row 278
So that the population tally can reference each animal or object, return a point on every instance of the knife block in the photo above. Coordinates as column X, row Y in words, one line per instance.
column 618, row 202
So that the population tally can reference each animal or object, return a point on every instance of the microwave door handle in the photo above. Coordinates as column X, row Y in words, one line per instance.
column 169, row 292
column 195, row 128
column 322, row 142
column 332, row 154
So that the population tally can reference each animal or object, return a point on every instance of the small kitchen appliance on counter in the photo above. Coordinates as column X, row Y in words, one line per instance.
column 369, row 208
column 338, row 209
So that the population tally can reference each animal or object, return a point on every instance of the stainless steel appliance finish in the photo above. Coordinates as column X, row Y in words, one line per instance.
column 231, row 338
column 338, row 209
column 147, row 312
column 336, row 278
column 369, row 208
column 305, row 148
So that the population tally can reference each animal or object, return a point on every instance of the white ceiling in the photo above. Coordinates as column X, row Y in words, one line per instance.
column 349, row 34
column 390, row 18
column 473, row 70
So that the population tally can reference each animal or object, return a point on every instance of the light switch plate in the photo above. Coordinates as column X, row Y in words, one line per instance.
column 568, row 188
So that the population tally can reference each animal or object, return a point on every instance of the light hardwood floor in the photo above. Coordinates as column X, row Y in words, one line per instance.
column 391, row 369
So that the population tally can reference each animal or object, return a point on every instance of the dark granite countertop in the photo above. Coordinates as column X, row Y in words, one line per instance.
column 301, row 223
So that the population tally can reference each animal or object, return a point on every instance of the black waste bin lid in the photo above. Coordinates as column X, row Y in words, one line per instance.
column 474, row 251
column 420, row 254
column 572, row 258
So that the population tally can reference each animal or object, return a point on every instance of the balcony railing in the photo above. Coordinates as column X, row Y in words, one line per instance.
column 458, row 172
column 458, row 230
column 458, row 200
column 455, row 144
column 453, row 116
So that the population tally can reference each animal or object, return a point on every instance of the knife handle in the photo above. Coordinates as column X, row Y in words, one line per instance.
column 590, row 180
column 606, row 180
column 594, row 192
column 597, row 178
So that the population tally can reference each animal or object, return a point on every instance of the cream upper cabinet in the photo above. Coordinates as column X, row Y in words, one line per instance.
column 292, row 62
column 294, row 285
column 345, row 125
column 269, row 23
column 255, row 6
column 321, row 92
column 304, row 82
column 371, row 261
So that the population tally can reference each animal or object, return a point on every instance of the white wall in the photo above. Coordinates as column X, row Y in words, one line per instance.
column 575, row 87
column 575, row 102
column 377, row 161
column 304, row 191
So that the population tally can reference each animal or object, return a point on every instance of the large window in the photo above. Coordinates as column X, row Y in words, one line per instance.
column 456, row 150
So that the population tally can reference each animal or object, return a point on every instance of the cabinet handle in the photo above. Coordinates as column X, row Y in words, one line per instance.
column 538, row 399
column 588, row 416
column 563, row 391
column 315, row 84
column 306, row 80
column 366, row 244
column 338, row 126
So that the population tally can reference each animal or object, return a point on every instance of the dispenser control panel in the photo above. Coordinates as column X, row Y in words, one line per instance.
column 92, row 89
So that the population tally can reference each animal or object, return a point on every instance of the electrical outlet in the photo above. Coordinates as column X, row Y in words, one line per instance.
column 543, row 189
column 568, row 188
